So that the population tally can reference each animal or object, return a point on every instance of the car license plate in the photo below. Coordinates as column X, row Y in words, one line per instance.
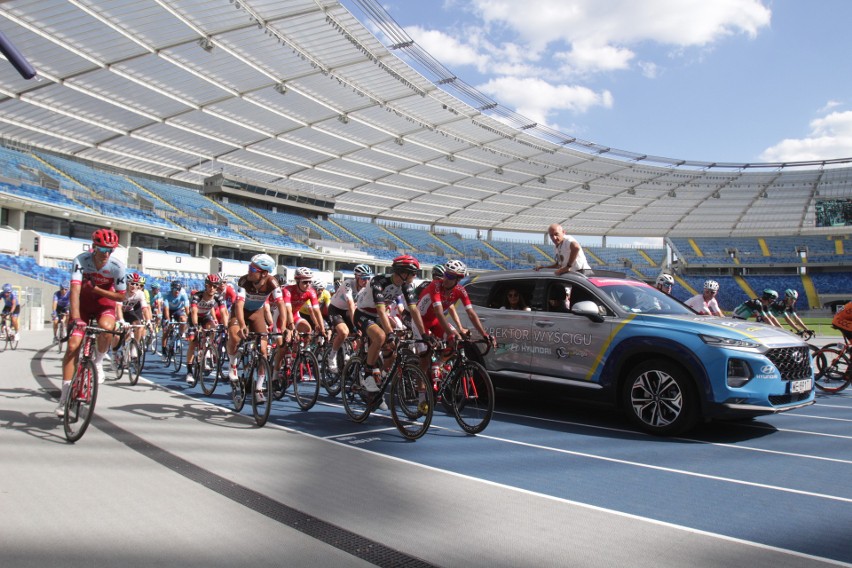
column 800, row 386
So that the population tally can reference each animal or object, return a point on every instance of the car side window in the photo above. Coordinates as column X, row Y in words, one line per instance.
column 479, row 293
column 511, row 295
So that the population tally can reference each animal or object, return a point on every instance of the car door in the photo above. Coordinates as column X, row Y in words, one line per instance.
column 566, row 346
column 510, row 327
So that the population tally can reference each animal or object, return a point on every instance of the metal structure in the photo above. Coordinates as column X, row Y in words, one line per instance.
column 299, row 94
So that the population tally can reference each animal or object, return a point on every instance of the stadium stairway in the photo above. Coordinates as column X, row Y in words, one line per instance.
column 69, row 195
column 500, row 254
column 810, row 292
column 685, row 285
column 648, row 258
column 696, row 248
column 446, row 244
column 157, row 199
column 764, row 248
column 744, row 285
column 342, row 228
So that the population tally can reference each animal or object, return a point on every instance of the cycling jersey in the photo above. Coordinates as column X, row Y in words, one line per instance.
column 253, row 297
column 156, row 302
column 230, row 295
column 382, row 290
column 177, row 303
column 63, row 301
column 707, row 308
column 435, row 297
column 11, row 299
column 843, row 318
column 343, row 295
column 753, row 307
column 111, row 276
column 207, row 309
column 134, row 302
column 779, row 308
column 299, row 298
column 323, row 300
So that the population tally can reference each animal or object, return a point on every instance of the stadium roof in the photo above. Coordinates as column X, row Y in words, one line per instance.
column 300, row 94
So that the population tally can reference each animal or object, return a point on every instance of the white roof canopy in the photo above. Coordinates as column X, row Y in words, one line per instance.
column 300, row 94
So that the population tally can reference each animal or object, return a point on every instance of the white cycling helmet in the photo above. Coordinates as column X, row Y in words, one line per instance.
column 304, row 273
column 264, row 262
column 665, row 280
column 790, row 293
column 363, row 271
column 711, row 285
column 318, row 284
column 456, row 267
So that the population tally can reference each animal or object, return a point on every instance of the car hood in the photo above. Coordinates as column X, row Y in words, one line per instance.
column 725, row 327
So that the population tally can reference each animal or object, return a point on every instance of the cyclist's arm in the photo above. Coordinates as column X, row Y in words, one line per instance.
column 418, row 321
column 74, row 300
column 193, row 315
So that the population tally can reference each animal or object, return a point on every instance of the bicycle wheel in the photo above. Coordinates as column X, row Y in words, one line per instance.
column 355, row 397
column 13, row 343
column 306, row 380
column 208, row 380
column 261, row 375
column 80, row 403
column 168, row 353
column 412, row 402
column 331, row 379
column 61, row 334
column 118, row 362
column 136, row 361
column 472, row 397
column 238, row 389
column 177, row 357
column 832, row 370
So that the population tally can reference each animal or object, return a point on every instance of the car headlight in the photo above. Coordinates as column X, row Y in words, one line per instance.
column 742, row 344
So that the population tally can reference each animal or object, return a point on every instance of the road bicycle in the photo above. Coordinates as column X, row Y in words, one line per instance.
column 60, row 336
column 412, row 400
column 331, row 379
column 299, row 367
column 463, row 386
column 173, row 351
column 128, row 354
column 8, row 337
column 254, row 374
column 83, row 392
column 209, row 358
column 832, row 367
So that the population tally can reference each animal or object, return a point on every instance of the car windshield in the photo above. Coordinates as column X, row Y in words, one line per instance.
column 643, row 299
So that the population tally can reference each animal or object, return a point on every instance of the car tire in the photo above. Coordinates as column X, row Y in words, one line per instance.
column 659, row 398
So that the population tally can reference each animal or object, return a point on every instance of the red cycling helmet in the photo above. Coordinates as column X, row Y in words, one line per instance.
column 405, row 263
column 105, row 238
column 135, row 277
column 213, row 279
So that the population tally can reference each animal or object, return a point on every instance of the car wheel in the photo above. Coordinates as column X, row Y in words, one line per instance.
column 659, row 398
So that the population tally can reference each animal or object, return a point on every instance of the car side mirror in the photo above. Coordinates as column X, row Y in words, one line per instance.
column 588, row 309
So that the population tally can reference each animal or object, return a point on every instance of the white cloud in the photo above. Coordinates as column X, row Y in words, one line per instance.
column 830, row 137
column 537, row 99
column 447, row 49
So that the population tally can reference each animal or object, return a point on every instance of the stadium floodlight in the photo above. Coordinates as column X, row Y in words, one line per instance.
column 206, row 44
column 280, row 88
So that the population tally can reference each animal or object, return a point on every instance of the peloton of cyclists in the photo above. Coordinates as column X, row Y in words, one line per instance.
column 759, row 308
column 97, row 284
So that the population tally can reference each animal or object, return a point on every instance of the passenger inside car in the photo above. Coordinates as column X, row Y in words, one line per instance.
column 514, row 301
column 558, row 298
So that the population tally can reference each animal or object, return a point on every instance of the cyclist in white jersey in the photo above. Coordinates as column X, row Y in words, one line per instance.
column 341, row 311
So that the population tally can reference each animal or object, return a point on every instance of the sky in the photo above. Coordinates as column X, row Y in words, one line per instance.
column 704, row 80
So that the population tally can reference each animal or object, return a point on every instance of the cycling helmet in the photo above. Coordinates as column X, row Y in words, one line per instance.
column 790, row 293
column 281, row 279
column 176, row 285
column 665, row 280
column 456, row 267
column 142, row 279
column 770, row 294
column 438, row 271
column 405, row 263
column 264, row 262
column 63, row 285
column 135, row 278
column 105, row 238
column 318, row 284
column 711, row 285
column 304, row 273
column 212, row 279
column 7, row 287
column 362, row 271
column 222, row 277
column 155, row 286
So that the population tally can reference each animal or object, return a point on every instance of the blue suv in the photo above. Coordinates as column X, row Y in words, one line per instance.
column 620, row 341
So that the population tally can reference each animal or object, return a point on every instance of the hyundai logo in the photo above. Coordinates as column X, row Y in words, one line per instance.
column 767, row 369
column 797, row 356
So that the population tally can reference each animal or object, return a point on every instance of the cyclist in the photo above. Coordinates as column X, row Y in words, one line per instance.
column 247, row 312
column 440, row 296
column 437, row 275
column 665, row 283
column 323, row 299
column 61, row 302
column 134, row 307
column 97, row 284
column 786, row 307
column 206, row 309
column 226, row 290
column 301, row 294
column 842, row 320
column 175, row 307
column 371, row 316
column 759, row 308
column 705, row 303
column 341, row 311
column 11, row 308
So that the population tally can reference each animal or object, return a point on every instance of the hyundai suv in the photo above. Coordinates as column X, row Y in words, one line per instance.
column 620, row 341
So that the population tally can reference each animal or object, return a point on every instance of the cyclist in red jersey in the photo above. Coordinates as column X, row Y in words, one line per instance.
column 97, row 284
column 440, row 296
column 302, row 293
